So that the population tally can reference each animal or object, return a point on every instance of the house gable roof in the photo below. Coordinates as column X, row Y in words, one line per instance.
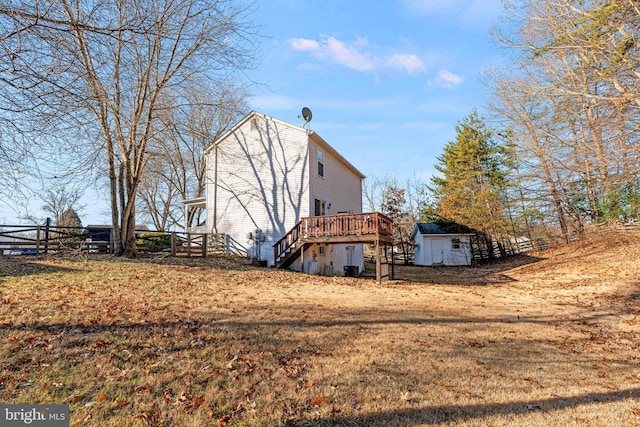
column 328, row 148
column 237, row 126
column 312, row 135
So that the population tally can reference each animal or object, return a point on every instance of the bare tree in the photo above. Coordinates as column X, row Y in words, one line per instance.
column 177, row 169
column 71, row 219
column 158, row 199
column 59, row 200
column 533, row 132
column 56, row 198
column 572, row 101
column 372, row 192
column 403, row 203
column 106, row 67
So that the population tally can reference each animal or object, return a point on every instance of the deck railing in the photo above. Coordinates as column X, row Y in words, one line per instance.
column 346, row 225
column 342, row 225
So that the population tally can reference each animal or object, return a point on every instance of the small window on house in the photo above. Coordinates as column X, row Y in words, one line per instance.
column 321, row 250
column 319, row 207
column 320, row 163
column 455, row 243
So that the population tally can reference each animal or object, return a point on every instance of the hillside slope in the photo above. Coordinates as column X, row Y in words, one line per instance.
column 547, row 339
column 603, row 269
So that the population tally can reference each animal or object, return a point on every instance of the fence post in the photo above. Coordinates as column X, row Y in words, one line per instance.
column 204, row 245
column 173, row 243
column 46, row 236
column 189, row 245
column 38, row 240
column 393, row 263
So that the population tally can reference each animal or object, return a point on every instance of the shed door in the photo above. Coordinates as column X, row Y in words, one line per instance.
column 437, row 251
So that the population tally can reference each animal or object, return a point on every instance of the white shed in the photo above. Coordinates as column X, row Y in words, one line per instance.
column 442, row 244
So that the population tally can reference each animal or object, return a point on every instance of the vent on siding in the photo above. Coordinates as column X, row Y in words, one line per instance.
column 254, row 123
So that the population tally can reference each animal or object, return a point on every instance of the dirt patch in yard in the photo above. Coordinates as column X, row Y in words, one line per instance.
column 549, row 339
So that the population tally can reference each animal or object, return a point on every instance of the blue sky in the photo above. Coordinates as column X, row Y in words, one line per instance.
column 387, row 81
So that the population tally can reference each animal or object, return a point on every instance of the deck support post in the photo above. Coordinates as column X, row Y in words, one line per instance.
column 382, row 268
column 378, row 263
column 393, row 263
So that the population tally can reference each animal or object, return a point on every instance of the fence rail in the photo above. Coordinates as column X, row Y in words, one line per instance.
column 617, row 226
column 485, row 248
column 47, row 239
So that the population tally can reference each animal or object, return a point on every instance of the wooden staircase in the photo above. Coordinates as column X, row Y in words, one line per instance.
column 343, row 228
column 288, row 248
column 291, row 254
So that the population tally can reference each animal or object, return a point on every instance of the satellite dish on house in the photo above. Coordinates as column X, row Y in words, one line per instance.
column 306, row 114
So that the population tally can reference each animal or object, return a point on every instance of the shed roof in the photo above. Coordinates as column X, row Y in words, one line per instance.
column 441, row 228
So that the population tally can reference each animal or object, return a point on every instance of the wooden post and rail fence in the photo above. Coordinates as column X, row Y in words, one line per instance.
column 48, row 239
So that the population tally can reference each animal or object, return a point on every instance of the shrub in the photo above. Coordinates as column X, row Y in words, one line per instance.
column 154, row 241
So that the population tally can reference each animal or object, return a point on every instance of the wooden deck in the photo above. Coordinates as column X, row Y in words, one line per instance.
column 374, row 228
column 364, row 227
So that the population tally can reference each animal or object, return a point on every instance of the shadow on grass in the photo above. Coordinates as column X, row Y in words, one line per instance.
column 220, row 261
column 19, row 267
column 225, row 334
column 634, row 299
column 180, row 335
column 343, row 318
column 487, row 273
column 626, row 301
column 460, row 413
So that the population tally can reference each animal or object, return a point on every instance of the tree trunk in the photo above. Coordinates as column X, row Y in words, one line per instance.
column 129, row 235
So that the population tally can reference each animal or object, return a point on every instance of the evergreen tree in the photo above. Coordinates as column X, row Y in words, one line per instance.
column 472, row 187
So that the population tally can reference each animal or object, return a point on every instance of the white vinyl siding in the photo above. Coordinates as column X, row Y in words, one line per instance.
column 262, row 183
column 341, row 187
column 341, row 191
column 267, row 179
column 320, row 155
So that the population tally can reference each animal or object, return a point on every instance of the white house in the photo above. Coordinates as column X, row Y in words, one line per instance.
column 264, row 177
column 442, row 244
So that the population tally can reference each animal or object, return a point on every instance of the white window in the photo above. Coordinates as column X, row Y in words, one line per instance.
column 455, row 243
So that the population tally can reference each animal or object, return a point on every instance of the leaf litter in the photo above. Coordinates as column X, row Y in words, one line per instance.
column 553, row 340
